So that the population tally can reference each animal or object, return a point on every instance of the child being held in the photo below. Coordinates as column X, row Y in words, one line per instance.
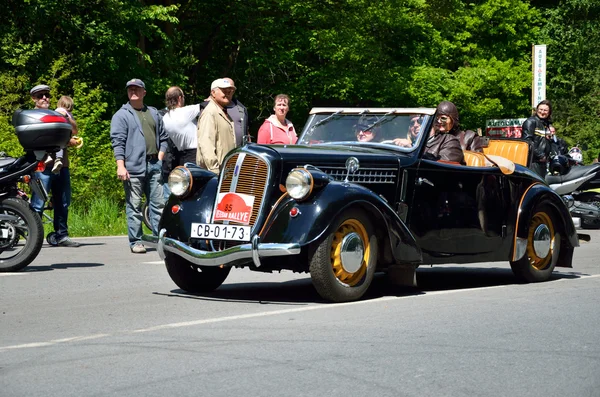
column 65, row 107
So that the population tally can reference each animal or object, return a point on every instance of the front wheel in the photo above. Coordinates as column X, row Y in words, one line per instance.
column 543, row 247
column 193, row 278
column 343, row 265
column 21, row 234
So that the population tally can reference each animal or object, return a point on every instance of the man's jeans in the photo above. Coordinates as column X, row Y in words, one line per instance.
column 59, row 185
column 151, row 186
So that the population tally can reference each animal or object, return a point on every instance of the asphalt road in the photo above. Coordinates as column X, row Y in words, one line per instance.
column 100, row 321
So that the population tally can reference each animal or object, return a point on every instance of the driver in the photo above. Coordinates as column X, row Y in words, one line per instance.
column 363, row 132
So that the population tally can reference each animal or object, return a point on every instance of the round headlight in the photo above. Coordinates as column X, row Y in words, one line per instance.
column 299, row 183
column 180, row 181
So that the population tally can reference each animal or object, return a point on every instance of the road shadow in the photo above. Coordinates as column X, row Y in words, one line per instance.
column 46, row 245
column 293, row 292
column 432, row 279
column 60, row 266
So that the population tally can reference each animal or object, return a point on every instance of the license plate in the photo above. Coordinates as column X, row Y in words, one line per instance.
column 220, row 232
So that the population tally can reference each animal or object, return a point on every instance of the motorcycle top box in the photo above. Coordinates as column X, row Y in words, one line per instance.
column 41, row 129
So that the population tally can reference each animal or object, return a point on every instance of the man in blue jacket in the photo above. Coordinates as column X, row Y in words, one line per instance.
column 139, row 143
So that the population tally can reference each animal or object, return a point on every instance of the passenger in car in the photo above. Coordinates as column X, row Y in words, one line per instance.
column 442, row 145
column 414, row 128
column 469, row 140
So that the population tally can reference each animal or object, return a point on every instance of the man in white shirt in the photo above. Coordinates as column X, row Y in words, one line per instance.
column 179, row 122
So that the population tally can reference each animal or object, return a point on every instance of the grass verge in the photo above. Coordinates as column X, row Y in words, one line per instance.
column 103, row 218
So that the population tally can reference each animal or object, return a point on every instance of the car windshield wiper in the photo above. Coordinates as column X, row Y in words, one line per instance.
column 380, row 120
column 325, row 120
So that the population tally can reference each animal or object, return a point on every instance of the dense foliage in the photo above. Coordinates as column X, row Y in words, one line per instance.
column 320, row 52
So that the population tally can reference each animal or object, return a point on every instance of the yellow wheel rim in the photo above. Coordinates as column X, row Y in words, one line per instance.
column 344, row 276
column 540, row 221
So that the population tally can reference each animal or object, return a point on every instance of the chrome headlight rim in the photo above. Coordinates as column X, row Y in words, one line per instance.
column 299, row 184
column 183, row 186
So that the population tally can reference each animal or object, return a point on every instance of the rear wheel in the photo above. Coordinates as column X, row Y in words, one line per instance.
column 21, row 234
column 543, row 246
column 193, row 278
column 343, row 265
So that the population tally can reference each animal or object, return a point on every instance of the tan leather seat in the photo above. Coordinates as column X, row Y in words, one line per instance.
column 474, row 159
column 515, row 150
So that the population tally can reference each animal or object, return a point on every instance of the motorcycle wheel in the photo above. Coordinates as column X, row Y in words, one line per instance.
column 51, row 239
column 146, row 215
column 26, row 230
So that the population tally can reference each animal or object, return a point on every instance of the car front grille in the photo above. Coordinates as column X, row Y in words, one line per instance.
column 363, row 175
column 248, row 174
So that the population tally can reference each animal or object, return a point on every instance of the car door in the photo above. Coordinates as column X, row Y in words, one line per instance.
column 457, row 211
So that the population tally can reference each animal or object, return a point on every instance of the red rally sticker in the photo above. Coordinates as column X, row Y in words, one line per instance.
column 234, row 207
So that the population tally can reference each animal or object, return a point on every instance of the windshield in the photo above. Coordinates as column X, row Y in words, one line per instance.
column 394, row 129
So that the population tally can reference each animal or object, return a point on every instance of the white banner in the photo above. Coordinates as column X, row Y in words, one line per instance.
column 539, row 75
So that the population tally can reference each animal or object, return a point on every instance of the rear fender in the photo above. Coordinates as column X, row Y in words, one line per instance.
column 539, row 194
column 314, row 220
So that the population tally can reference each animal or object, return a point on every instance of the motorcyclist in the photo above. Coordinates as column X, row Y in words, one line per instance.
column 536, row 130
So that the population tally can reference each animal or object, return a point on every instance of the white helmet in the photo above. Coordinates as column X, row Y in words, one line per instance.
column 575, row 154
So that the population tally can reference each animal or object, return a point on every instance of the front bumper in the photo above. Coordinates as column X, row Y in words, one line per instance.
column 253, row 250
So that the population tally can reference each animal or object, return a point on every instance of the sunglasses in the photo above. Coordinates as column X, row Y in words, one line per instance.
column 361, row 130
column 444, row 119
column 42, row 94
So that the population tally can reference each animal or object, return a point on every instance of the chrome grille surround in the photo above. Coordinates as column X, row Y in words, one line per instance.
column 252, row 178
column 364, row 175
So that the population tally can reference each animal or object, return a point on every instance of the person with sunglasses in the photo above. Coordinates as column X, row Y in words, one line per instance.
column 363, row 132
column 442, row 144
column 414, row 129
column 58, row 183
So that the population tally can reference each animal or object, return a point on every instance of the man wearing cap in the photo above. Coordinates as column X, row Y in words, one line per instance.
column 59, row 184
column 139, row 143
column 216, row 133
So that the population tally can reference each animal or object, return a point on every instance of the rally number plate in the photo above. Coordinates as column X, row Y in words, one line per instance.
column 220, row 232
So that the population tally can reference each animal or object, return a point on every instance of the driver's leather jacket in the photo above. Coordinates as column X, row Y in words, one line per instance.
column 535, row 131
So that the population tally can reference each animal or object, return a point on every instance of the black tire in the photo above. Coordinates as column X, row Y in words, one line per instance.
column 330, row 278
column 51, row 239
column 538, row 265
column 31, row 235
column 193, row 278
column 146, row 215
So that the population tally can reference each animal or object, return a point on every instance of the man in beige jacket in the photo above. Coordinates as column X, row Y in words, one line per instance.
column 216, row 135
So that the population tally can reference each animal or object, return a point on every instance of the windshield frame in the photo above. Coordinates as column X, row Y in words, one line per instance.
column 320, row 117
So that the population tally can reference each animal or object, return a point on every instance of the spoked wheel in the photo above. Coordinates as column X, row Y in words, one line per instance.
column 543, row 246
column 343, row 265
column 21, row 234
column 193, row 278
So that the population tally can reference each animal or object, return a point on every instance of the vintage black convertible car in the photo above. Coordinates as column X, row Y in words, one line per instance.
column 342, row 208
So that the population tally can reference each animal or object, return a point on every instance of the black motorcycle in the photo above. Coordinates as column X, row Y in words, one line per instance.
column 21, row 230
column 567, row 178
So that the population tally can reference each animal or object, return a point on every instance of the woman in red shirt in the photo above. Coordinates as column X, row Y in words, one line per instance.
column 277, row 130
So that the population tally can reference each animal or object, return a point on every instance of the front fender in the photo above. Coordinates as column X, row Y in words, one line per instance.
column 314, row 221
column 196, row 207
column 538, row 194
